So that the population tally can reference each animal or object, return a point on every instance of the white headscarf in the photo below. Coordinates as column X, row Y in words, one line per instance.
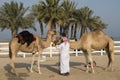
column 65, row 40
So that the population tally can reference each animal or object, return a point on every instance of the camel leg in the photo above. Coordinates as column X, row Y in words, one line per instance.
column 112, row 60
column 12, row 64
column 87, row 61
column 110, row 55
column 32, row 62
column 39, row 62
column 91, row 61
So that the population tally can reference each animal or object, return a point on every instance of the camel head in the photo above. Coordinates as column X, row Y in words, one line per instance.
column 57, row 40
column 52, row 32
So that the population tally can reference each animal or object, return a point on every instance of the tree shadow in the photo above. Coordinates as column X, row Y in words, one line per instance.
column 55, row 67
column 12, row 76
column 77, row 65
column 51, row 67
column 81, row 66
column 103, row 68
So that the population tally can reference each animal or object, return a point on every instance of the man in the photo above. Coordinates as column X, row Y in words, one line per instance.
column 64, row 55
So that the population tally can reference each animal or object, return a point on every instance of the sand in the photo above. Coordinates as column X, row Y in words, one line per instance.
column 49, row 69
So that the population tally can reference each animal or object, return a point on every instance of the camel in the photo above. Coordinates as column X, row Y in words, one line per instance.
column 37, row 45
column 95, row 40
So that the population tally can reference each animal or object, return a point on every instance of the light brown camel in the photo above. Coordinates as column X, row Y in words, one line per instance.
column 95, row 40
column 36, row 46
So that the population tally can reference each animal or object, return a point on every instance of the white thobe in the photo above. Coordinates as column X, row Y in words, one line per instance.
column 64, row 57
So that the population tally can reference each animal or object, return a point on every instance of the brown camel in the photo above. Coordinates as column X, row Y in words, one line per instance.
column 37, row 45
column 95, row 40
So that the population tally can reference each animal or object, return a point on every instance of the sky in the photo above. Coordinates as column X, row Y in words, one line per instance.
column 108, row 10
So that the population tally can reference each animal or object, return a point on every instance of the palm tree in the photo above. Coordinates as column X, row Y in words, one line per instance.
column 86, row 15
column 86, row 20
column 12, row 16
column 37, row 12
column 67, row 17
column 75, row 23
column 51, row 12
column 95, row 22
column 74, row 30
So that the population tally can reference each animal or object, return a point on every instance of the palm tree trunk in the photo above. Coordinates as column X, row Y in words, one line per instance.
column 83, row 29
column 67, row 30
column 71, row 31
column 49, row 24
column 14, row 33
column 41, row 29
column 75, row 31
column 61, row 29
column 53, row 25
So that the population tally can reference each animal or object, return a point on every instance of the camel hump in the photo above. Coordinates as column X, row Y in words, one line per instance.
column 25, row 37
column 98, row 31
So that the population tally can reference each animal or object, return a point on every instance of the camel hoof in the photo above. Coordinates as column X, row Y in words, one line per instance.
column 93, row 72
column 87, row 71
column 39, row 72
column 16, row 74
column 31, row 71
column 106, row 69
column 112, row 69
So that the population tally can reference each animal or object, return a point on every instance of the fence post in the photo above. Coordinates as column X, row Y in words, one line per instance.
column 51, row 49
column 76, row 52
column 101, row 52
column 24, row 55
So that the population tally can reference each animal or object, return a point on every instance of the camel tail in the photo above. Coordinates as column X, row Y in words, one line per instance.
column 111, row 45
column 10, row 53
column 111, row 51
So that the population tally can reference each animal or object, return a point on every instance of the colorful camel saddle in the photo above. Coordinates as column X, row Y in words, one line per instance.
column 25, row 37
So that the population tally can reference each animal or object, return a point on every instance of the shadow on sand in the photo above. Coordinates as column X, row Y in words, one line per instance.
column 12, row 76
column 54, row 67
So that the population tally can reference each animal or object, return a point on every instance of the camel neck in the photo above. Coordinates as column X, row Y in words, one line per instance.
column 75, row 45
column 46, row 43
column 48, row 40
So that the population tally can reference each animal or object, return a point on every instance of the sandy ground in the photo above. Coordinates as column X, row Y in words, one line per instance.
column 49, row 69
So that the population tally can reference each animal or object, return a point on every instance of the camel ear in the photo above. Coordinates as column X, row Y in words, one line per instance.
column 51, row 30
column 54, row 30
